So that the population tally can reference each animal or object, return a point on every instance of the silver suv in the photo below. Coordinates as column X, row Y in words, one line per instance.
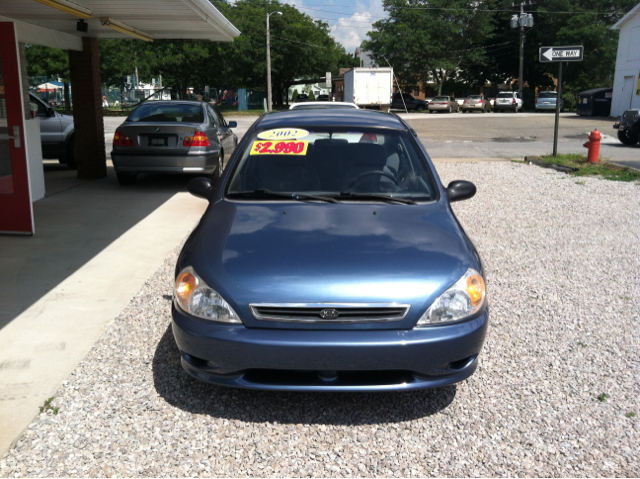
column 508, row 100
column 56, row 133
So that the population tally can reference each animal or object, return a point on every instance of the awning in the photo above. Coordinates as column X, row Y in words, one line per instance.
column 158, row 19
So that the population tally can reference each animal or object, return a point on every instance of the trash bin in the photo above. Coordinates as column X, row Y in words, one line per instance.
column 596, row 102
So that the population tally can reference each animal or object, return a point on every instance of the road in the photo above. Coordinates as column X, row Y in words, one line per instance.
column 510, row 135
column 495, row 135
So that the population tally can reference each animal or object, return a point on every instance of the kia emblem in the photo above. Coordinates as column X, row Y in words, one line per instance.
column 329, row 314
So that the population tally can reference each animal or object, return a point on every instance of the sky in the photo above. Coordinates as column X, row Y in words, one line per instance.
column 349, row 20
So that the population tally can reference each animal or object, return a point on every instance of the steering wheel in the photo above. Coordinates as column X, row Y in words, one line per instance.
column 369, row 173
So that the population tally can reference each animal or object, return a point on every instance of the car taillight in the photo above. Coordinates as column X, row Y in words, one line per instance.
column 431, row 103
column 514, row 101
column 120, row 139
column 465, row 101
column 480, row 102
column 199, row 139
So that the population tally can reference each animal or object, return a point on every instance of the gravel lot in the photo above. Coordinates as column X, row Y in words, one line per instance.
column 562, row 264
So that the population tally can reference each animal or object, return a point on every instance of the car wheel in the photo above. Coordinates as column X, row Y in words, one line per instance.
column 516, row 110
column 628, row 139
column 450, row 109
column 70, row 160
column 419, row 108
column 126, row 179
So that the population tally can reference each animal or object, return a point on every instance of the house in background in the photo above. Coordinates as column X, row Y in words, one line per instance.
column 626, row 83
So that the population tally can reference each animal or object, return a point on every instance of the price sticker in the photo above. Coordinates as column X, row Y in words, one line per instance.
column 279, row 148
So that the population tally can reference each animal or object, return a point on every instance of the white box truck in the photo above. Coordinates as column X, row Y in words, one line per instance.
column 369, row 87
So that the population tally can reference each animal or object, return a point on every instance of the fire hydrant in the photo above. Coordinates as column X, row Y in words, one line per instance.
column 594, row 146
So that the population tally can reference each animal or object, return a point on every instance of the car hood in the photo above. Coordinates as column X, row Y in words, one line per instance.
column 329, row 253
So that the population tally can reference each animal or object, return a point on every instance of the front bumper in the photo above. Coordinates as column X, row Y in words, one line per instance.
column 336, row 360
column 193, row 162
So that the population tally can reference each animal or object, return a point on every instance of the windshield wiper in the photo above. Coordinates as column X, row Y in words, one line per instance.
column 262, row 193
column 375, row 196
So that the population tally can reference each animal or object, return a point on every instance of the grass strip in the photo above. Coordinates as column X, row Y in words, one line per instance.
column 603, row 168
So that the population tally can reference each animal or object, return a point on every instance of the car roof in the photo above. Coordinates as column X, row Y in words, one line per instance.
column 331, row 117
column 324, row 103
column 169, row 102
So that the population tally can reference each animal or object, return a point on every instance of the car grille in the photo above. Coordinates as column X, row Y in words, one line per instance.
column 329, row 312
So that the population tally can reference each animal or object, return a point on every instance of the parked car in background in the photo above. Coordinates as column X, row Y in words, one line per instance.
column 310, row 105
column 302, row 97
column 56, row 133
column 508, row 100
column 172, row 137
column 443, row 103
column 329, row 259
column 476, row 103
column 628, row 126
column 546, row 100
column 411, row 102
column 322, row 98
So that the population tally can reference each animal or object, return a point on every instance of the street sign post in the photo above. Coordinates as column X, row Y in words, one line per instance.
column 559, row 55
column 328, row 80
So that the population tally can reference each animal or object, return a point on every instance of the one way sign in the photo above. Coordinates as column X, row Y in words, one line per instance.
column 561, row 54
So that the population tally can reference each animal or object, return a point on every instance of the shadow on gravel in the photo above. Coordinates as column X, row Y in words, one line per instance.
column 196, row 397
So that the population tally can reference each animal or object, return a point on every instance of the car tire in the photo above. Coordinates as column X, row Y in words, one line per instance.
column 126, row 179
column 450, row 109
column 419, row 108
column 628, row 139
column 516, row 110
column 70, row 159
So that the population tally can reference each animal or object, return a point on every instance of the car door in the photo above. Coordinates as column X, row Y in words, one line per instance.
column 410, row 101
column 396, row 103
column 227, row 134
column 50, row 128
column 215, row 127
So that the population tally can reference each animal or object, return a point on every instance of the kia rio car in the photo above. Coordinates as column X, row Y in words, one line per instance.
column 329, row 259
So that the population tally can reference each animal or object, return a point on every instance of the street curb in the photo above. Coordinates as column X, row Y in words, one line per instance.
column 471, row 160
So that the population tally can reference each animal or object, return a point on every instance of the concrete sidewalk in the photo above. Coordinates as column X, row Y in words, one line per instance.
column 95, row 245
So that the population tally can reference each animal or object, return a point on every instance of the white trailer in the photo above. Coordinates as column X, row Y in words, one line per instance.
column 369, row 87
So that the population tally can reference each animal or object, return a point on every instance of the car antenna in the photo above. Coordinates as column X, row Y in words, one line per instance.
column 399, row 90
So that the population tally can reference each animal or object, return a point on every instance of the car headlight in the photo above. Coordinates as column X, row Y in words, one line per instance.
column 197, row 298
column 461, row 300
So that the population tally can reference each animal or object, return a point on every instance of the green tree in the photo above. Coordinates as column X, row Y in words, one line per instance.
column 50, row 63
column 430, row 42
column 556, row 23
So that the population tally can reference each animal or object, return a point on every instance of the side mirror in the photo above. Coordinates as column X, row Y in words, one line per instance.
column 50, row 112
column 200, row 187
column 233, row 124
column 460, row 190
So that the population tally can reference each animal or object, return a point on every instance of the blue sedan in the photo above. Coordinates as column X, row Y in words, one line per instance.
column 329, row 259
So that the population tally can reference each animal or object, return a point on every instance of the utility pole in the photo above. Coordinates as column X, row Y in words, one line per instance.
column 520, row 71
column 522, row 20
column 269, row 102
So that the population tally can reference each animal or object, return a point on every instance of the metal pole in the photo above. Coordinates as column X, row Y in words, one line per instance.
column 555, row 131
column 269, row 104
column 520, row 75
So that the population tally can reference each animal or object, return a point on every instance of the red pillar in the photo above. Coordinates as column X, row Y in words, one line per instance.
column 86, row 90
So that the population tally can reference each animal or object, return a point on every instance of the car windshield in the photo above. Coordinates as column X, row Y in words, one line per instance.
column 335, row 164
column 441, row 98
column 505, row 95
column 182, row 112
column 475, row 97
column 548, row 94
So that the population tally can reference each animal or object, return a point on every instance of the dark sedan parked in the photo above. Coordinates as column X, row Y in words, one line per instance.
column 410, row 102
column 628, row 127
column 329, row 259
column 172, row 137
